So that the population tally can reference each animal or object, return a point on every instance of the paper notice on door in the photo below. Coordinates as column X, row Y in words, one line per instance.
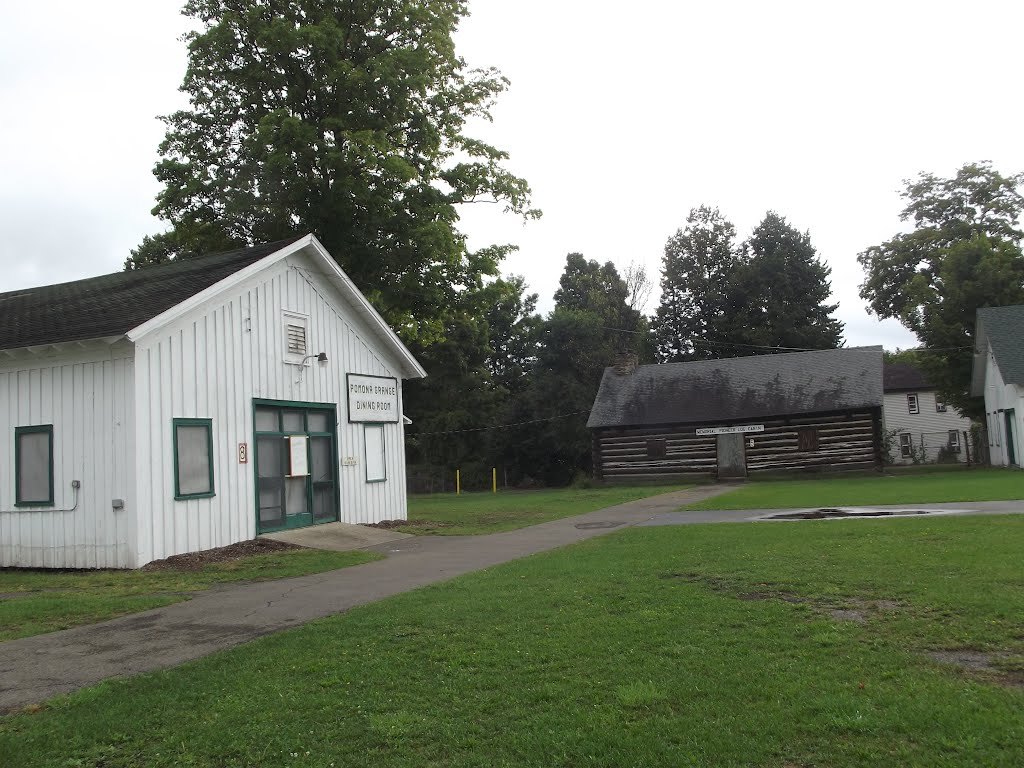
column 298, row 454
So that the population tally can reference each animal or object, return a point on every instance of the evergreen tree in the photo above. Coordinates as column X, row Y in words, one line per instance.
column 591, row 325
column 698, row 267
column 780, row 291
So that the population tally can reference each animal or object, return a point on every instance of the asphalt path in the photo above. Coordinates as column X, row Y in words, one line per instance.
column 34, row 669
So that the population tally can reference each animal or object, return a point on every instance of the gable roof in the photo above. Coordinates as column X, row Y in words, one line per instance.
column 903, row 377
column 136, row 303
column 112, row 305
column 1002, row 328
column 740, row 389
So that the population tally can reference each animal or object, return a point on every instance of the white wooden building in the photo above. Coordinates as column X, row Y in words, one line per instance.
column 998, row 376
column 193, row 405
column 925, row 428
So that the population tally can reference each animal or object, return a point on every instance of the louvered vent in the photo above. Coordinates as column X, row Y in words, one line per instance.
column 296, row 339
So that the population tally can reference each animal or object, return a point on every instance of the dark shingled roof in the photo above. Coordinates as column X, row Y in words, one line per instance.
column 903, row 377
column 1004, row 329
column 111, row 305
column 740, row 389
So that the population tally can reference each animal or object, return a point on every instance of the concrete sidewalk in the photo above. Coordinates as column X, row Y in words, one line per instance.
column 36, row 668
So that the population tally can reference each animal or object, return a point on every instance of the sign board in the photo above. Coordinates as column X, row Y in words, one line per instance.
column 243, row 453
column 298, row 455
column 372, row 398
column 737, row 430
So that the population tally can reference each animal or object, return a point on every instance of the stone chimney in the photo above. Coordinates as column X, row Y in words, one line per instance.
column 625, row 363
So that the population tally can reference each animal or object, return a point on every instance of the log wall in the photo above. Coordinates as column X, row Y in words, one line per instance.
column 841, row 442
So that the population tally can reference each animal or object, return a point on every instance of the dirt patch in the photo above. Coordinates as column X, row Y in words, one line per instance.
column 595, row 526
column 195, row 561
column 982, row 665
column 390, row 525
column 974, row 661
column 845, row 609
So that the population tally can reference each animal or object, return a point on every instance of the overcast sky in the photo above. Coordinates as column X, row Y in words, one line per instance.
column 621, row 116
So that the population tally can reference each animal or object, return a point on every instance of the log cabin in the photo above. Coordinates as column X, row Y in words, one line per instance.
column 815, row 411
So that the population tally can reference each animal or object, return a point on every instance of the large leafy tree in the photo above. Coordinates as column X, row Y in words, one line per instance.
column 346, row 118
column 963, row 253
column 780, row 292
column 698, row 267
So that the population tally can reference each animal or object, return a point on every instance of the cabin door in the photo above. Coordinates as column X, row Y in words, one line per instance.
column 732, row 457
column 296, row 461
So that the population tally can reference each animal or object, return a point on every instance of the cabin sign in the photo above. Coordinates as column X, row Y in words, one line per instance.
column 372, row 398
column 737, row 430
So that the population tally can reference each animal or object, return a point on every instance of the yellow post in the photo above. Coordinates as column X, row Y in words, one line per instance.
column 458, row 483
column 494, row 479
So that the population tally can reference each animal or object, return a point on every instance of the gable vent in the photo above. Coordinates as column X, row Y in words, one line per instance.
column 296, row 339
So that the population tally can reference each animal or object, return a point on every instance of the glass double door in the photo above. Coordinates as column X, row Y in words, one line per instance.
column 296, row 465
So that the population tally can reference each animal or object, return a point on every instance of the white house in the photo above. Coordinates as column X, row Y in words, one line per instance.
column 998, row 375
column 195, row 404
column 923, row 424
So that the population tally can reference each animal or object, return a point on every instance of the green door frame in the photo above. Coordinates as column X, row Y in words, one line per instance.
column 1010, row 416
column 331, row 409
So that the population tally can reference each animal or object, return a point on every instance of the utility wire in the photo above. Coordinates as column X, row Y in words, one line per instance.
column 697, row 340
column 500, row 426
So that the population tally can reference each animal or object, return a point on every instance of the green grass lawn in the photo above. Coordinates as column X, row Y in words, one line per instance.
column 33, row 601
column 475, row 513
column 951, row 486
column 776, row 645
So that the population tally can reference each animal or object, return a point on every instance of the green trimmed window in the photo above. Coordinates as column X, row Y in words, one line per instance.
column 33, row 466
column 373, row 442
column 193, row 458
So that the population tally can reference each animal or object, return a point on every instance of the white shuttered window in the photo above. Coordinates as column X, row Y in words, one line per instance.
column 373, row 438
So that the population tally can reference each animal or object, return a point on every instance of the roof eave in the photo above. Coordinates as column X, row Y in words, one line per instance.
column 348, row 289
column 310, row 244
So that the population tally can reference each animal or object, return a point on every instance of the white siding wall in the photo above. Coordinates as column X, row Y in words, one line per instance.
column 211, row 364
column 1001, row 397
column 87, row 397
column 896, row 416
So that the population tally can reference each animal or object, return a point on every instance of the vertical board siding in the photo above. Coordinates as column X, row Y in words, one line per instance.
column 212, row 363
column 87, row 398
column 999, row 398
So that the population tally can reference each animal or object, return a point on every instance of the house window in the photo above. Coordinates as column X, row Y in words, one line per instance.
column 807, row 439
column 373, row 441
column 296, row 337
column 912, row 404
column 954, row 440
column 940, row 407
column 193, row 458
column 906, row 445
column 33, row 460
column 657, row 448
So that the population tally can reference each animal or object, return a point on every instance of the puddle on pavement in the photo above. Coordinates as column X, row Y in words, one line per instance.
column 829, row 513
